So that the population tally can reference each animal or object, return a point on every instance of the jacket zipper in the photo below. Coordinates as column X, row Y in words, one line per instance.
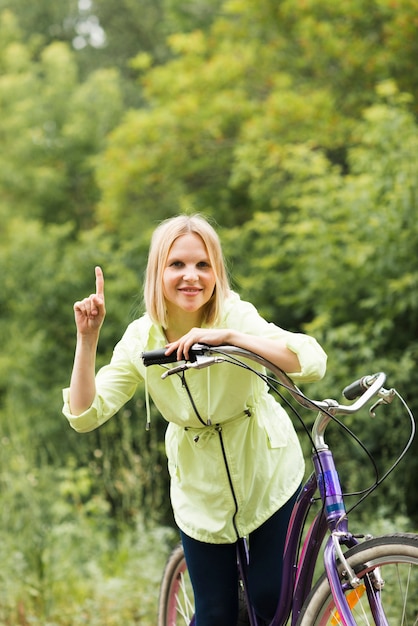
column 218, row 428
column 186, row 387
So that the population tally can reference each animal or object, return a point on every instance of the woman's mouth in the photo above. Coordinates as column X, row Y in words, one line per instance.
column 190, row 290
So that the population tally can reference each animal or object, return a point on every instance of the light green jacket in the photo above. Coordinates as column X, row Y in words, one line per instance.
column 231, row 473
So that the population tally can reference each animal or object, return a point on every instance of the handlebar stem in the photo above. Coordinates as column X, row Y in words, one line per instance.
column 321, row 422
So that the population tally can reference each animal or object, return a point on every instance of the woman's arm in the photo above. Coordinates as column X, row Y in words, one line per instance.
column 274, row 350
column 89, row 316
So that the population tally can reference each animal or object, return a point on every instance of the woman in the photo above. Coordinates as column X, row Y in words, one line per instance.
column 234, row 459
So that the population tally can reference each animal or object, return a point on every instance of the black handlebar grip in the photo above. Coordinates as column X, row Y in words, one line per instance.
column 355, row 389
column 158, row 357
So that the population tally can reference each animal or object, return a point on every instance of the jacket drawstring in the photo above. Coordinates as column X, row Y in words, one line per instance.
column 209, row 420
column 147, row 406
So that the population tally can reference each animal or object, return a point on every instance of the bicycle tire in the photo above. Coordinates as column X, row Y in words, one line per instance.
column 397, row 557
column 176, row 602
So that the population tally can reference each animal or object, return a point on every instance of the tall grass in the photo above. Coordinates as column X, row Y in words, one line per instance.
column 64, row 562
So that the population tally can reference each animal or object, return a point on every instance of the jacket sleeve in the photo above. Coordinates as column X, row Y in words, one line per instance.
column 312, row 357
column 116, row 383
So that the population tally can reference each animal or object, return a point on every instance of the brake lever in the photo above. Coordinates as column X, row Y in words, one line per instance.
column 200, row 362
column 386, row 398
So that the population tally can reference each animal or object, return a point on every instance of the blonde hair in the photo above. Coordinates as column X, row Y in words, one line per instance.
column 162, row 239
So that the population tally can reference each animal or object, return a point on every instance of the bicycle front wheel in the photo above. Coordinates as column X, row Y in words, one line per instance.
column 396, row 556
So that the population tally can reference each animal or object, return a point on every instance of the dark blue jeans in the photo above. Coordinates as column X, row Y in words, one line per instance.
column 214, row 576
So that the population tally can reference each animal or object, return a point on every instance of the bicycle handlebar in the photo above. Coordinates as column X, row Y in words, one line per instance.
column 200, row 356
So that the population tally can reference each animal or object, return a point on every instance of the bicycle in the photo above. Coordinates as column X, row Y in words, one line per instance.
column 367, row 580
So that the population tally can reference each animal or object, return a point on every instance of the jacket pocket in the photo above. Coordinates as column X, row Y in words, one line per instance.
column 274, row 421
column 277, row 427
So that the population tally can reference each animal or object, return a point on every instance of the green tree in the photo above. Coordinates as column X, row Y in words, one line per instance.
column 45, row 268
column 51, row 126
column 287, row 74
column 338, row 260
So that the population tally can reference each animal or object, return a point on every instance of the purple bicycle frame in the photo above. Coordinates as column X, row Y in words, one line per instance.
column 298, row 570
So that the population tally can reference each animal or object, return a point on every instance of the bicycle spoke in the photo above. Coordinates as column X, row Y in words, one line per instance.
column 404, row 594
column 184, row 605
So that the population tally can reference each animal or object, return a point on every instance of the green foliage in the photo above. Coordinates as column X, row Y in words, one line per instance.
column 51, row 126
column 190, row 15
column 64, row 560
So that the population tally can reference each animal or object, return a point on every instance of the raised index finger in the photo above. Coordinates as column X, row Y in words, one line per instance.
column 99, row 282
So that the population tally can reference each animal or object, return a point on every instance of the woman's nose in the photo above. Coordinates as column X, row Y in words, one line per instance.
column 190, row 275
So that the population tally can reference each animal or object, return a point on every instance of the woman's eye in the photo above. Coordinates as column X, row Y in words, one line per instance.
column 203, row 264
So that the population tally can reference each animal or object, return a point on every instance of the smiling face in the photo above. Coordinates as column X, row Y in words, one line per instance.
column 188, row 279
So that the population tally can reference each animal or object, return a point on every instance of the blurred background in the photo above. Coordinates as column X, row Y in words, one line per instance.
column 292, row 124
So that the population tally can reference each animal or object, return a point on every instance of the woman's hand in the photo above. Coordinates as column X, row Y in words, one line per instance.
column 209, row 336
column 90, row 312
